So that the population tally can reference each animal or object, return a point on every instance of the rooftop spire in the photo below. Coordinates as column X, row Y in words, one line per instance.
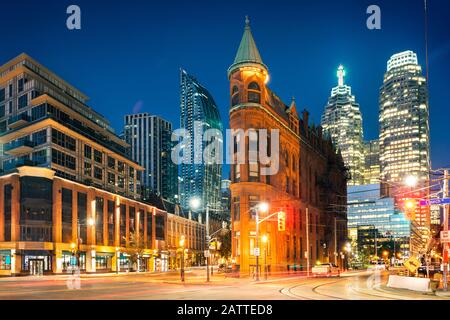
column 248, row 53
column 341, row 75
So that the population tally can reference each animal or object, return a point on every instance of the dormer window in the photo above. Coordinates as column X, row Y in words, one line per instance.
column 235, row 96
column 254, row 93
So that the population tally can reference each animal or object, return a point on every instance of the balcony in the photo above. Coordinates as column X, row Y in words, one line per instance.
column 19, row 147
column 18, row 121
column 10, row 166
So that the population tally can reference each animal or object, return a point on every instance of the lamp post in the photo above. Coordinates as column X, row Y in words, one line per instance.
column 182, row 240
column 263, row 207
column 90, row 222
column 265, row 240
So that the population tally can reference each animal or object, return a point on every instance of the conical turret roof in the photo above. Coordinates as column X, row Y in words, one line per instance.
column 248, row 53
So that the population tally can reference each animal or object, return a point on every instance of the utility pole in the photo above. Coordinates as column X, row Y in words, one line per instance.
column 307, row 242
column 445, row 251
column 335, row 241
column 207, row 243
column 257, row 244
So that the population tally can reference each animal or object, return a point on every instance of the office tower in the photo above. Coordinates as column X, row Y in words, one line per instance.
column 342, row 120
column 151, row 146
column 405, row 136
column 372, row 219
column 372, row 162
column 311, row 226
column 199, row 178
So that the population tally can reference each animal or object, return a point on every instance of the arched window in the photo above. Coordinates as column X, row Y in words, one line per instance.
column 254, row 93
column 235, row 96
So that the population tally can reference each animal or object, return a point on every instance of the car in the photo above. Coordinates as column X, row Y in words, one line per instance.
column 378, row 266
column 326, row 269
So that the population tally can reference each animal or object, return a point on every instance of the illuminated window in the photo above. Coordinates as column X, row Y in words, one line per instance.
column 254, row 93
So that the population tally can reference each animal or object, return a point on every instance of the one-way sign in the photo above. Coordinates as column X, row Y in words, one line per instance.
column 435, row 202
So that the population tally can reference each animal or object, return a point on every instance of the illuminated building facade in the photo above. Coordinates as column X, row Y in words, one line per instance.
column 150, row 140
column 311, row 176
column 367, row 212
column 371, row 162
column 67, row 186
column 199, row 112
column 405, row 136
column 342, row 120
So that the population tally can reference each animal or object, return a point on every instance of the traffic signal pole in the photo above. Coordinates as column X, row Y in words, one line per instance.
column 445, row 249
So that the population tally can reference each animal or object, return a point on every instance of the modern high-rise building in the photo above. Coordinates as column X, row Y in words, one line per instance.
column 200, row 178
column 308, row 189
column 67, row 186
column 151, row 146
column 405, row 136
column 371, row 162
column 367, row 212
column 342, row 120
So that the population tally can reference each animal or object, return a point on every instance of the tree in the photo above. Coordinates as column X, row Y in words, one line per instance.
column 225, row 248
column 134, row 250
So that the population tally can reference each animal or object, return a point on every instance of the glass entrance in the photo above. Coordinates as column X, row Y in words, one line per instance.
column 36, row 267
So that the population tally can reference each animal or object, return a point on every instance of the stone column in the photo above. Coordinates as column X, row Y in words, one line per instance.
column 90, row 261
column 2, row 211
column 15, row 209
column 154, row 229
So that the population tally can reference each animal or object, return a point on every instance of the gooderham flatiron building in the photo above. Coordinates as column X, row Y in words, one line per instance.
column 312, row 177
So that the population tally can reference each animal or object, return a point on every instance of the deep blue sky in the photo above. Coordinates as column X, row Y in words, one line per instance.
column 127, row 56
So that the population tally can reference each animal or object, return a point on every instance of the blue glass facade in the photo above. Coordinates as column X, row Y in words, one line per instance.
column 199, row 179
column 367, row 210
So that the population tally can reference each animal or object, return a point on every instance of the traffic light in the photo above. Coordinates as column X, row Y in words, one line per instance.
column 281, row 221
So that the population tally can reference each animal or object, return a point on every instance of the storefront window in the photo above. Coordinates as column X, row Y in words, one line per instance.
column 103, row 261
column 5, row 260
column 36, row 195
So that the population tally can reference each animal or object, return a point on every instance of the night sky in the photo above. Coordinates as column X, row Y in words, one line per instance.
column 127, row 55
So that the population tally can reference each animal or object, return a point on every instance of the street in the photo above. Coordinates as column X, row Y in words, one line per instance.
column 360, row 285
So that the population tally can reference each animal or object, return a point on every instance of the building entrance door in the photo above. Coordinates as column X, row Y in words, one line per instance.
column 36, row 267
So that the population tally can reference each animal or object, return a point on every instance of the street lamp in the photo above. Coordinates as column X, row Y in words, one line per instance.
column 262, row 207
column 411, row 181
column 265, row 240
column 89, row 222
column 182, row 240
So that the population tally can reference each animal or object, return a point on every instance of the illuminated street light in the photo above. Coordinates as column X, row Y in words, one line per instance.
column 195, row 203
column 91, row 222
column 182, row 241
column 411, row 181
column 263, row 207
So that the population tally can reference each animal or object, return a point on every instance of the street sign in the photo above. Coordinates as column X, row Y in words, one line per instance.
column 445, row 236
column 412, row 264
column 257, row 252
column 435, row 202
column 206, row 254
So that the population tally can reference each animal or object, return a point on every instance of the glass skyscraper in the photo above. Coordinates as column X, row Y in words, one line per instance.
column 405, row 134
column 371, row 162
column 342, row 120
column 368, row 214
column 199, row 112
column 150, row 140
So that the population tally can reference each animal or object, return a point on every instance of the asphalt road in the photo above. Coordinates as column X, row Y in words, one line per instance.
column 167, row 286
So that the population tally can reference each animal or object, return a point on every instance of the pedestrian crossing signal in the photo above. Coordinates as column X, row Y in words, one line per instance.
column 281, row 221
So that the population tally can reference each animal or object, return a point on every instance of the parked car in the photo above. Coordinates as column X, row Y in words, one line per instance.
column 326, row 270
column 378, row 266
